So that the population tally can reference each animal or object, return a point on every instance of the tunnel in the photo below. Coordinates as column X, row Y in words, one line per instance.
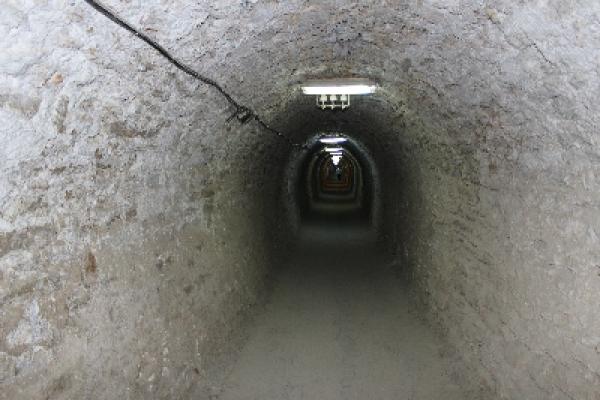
column 179, row 220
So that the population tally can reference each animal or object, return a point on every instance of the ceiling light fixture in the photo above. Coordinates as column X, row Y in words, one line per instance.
column 333, row 140
column 333, row 149
column 335, row 93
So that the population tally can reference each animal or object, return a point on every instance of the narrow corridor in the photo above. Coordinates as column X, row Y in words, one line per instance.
column 339, row 325
column 271, row 200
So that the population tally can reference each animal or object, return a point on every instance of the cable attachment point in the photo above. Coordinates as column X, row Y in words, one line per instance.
column 244, row 114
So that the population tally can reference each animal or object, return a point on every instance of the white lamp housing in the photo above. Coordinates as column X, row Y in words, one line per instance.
column 333, row 140
column 335, row 93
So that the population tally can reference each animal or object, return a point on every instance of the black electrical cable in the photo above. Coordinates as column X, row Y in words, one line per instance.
column 242, row 112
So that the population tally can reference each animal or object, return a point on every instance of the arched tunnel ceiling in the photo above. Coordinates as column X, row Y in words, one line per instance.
column 464, row 69
column 125, row 192
column 460, row 66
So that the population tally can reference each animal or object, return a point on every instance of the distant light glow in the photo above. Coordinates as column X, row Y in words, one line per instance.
column 336, row 159
column 332, row 140
column 333, row 149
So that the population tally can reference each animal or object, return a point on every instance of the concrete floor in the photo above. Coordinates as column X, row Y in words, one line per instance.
column 339, row 326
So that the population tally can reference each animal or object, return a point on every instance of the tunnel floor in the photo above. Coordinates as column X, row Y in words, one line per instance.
column 339, row 325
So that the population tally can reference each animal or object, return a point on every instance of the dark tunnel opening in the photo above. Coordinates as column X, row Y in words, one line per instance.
column 339, row 288
column 336, row 182
column 371, row 146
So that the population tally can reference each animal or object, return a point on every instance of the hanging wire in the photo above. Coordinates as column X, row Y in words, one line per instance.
column 242, row 113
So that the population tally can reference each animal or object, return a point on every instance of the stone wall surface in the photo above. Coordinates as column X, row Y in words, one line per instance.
column 135, row 221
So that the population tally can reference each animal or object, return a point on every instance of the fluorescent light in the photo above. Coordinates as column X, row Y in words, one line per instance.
column 341, row 89
column 333, row 149
column 332, row 140
column 345, row 86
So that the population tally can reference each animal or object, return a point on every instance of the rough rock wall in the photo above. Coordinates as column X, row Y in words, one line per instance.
column 494, row 106
column 496, row 159
column 134, row 221
column 500, row 181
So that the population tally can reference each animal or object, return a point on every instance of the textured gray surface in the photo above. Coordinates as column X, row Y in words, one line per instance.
column 340, row 325
column 135, row 222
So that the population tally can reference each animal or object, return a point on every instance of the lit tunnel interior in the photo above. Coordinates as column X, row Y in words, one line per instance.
column 157, row 244
column 335, row 180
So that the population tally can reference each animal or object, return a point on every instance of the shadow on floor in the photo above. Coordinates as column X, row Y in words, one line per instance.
column 339, row 325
